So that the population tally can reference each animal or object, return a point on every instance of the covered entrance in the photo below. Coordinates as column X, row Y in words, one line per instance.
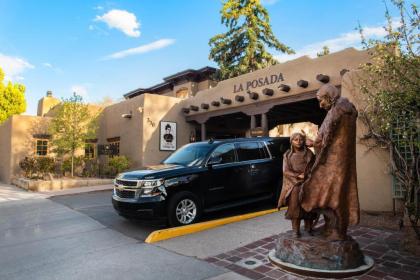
column 257, row 119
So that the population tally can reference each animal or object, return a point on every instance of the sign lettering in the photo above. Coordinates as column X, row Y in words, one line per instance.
column 260, row 82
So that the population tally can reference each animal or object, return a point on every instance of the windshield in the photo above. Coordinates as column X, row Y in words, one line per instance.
column 189, row 155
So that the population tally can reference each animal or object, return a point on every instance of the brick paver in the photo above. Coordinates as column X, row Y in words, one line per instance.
column 381, row 245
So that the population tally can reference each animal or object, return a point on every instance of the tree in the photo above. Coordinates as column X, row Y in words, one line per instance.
column 391, row 89
column 242, row 48
column 72, row 126
column 12, row 98
column 325, row 51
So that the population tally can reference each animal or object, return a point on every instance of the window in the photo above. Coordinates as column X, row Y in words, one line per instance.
column 182, row 93
column 190, row 154
column 114, row 148
column 41, row 147
column 264, row 150
column 249, row 151
column 277, row 148
column 90, row 150
column 226, row 152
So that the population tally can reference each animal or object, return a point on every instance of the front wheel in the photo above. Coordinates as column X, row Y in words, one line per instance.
column 184, row 209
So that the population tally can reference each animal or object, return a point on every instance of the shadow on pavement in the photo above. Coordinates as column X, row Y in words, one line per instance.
column 98, row 206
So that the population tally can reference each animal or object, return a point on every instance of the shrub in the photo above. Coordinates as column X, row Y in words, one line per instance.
column 118, row 164
column 91, row 168
column 78, row 165
column 45, row 165
column 29, row 166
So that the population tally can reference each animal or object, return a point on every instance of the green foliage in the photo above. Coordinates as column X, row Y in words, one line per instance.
column 12, row 98
column 325, row 51
column 28, row 165
column 78, row 163
column 35, row 167
column 72, row 125
column 242, row 48
column 391, row 87
column 91, row 168
column 118, row 164
column 45, row 165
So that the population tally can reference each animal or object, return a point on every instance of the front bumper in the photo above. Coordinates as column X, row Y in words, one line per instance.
column 142, row 207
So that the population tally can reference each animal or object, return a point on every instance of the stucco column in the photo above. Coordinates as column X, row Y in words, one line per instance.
column 264, row 123
column 253, row 123
column 203, row 131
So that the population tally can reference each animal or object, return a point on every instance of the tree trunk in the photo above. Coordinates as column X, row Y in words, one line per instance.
column 72, row 163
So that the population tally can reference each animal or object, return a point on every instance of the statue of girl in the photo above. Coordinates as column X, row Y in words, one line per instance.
column 297, row 162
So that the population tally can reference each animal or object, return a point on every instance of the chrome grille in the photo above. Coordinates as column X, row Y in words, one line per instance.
column 126, row 183
column 125, row 193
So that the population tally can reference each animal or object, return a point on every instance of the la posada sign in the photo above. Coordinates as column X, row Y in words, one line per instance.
column 259, row 82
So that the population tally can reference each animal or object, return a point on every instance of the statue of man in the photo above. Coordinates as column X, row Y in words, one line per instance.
column 331, row 186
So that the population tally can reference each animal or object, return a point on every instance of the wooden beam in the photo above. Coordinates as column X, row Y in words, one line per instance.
column 323, row 78
column 302, row 83
column 268, row 91
column 226, row 101
column 239, row 98
column 284, row 88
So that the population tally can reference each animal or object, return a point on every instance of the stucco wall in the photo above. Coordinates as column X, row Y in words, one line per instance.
column 161, row 108
column 22, row 140
column 5, row 150
column 292, row 71
column 112, row 124
column 373, row 176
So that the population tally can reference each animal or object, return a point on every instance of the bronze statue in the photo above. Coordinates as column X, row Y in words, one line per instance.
column 328, row 188
column 331, row 186
column 296, row 163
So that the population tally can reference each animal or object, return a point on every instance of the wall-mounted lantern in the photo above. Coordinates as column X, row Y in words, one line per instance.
column 302, row 83
column 127, row 116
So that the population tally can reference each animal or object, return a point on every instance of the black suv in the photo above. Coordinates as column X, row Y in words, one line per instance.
column 203, row 177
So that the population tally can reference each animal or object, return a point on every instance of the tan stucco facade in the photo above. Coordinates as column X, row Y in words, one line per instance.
column 134, row 122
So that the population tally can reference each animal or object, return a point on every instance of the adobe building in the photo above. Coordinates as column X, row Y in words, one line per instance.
column 263, row 102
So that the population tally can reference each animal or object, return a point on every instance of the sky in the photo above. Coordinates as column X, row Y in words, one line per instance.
column 107, row 48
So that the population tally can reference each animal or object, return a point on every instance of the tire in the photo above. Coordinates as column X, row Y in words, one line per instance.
column 184, row 209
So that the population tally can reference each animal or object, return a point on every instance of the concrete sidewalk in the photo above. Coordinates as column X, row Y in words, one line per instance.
column 228, row 237
column 13, row 193
column 41, row 239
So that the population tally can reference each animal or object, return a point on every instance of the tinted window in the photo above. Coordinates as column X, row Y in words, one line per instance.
column 190, row 154
column 226, row 152
column 264, row 150
column 249, row 151
column 277, row 148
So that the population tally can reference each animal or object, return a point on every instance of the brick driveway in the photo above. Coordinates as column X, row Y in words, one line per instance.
column 382, row 245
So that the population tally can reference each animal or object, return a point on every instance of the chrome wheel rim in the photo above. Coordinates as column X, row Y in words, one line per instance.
column 186, row 211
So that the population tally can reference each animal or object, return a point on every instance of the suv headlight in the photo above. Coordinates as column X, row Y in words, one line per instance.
column 153, row 187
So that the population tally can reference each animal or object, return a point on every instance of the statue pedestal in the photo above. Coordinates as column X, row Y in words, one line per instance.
column 316, row 256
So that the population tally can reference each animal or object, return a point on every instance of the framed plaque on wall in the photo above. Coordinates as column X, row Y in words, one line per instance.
column 167, row 137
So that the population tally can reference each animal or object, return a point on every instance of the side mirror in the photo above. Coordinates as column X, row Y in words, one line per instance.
column 214, row 160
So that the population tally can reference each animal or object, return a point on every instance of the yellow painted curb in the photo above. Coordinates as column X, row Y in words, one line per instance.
column 163, row 234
